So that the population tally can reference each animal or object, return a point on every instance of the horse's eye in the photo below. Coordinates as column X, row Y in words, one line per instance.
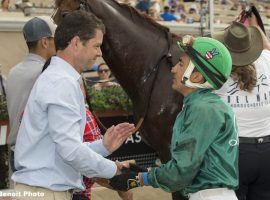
column 64, row 13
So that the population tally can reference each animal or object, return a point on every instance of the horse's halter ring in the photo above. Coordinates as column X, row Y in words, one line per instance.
column 83, row 5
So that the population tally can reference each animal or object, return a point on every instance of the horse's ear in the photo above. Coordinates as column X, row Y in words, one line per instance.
column 64, row 14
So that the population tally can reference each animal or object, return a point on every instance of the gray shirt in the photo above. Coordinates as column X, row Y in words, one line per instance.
column 20, row 81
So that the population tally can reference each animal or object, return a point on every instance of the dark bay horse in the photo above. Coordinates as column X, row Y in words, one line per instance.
column 140, row 53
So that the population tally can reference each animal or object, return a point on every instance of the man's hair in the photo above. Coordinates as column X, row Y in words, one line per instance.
column 77, row 23
column 166, row 8
column 32, row 45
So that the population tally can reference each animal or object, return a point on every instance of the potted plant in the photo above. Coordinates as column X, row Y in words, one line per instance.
column 110, row 101
column 3, row 109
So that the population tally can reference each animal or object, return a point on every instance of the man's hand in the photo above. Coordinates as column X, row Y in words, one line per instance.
column 254, row 22
column 116, row 135
column 124, row 165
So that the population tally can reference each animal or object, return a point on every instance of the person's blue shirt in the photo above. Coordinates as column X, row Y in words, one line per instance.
column 50, row 152
column 143, row 5
column 166, row 16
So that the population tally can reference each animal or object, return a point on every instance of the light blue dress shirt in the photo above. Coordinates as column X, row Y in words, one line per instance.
column 50, row 152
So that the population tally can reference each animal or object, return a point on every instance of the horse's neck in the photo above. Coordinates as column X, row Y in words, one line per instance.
column 132, row 45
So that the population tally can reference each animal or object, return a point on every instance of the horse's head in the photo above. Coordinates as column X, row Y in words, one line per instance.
column 63, row 7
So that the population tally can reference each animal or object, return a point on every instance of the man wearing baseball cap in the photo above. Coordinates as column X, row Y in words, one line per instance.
column 38, row 33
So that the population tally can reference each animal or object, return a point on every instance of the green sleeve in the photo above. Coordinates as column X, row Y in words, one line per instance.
column 194, row 130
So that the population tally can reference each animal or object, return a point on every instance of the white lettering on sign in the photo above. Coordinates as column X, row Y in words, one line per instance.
column 135, row 138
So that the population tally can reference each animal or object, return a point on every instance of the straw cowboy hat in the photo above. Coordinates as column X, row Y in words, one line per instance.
column 244, row 43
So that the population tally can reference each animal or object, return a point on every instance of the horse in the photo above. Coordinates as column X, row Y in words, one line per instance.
column 140, row 54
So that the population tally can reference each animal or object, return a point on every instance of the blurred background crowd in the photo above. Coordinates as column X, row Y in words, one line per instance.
column 182, row 11
column 181, row 16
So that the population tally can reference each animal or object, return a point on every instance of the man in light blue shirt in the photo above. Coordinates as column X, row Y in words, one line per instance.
column 49, row 153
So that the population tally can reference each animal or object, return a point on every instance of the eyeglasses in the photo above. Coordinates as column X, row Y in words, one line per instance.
column 103, row 71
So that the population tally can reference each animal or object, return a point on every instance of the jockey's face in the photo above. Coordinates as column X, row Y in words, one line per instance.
column 178, row 71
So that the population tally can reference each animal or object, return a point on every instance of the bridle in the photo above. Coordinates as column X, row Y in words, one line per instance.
column 154, row 72
column 84, row 6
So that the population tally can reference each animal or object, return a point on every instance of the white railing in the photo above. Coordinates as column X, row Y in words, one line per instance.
column 14, row 22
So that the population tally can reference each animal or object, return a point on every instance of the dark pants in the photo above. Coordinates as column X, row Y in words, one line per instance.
column 11, row 161
column 79, row 197
column 254, row 172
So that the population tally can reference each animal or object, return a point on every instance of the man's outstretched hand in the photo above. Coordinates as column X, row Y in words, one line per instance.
column 116, row 135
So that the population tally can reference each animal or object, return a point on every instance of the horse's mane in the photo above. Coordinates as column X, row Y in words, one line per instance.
column 135, row 12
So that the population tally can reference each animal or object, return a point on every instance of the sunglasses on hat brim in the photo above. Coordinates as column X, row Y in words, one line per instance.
column 103, row 70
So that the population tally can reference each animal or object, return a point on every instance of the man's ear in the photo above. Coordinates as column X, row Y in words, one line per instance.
column 44, row 42
column 196, row 77
column 75, row 41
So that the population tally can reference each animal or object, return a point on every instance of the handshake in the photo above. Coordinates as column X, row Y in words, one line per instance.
column 128, row 179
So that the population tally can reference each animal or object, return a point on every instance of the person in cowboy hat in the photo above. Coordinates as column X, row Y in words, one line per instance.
column 248, row 92
column 204, row 146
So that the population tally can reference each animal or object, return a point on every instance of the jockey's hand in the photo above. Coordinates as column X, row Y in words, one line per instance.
column 125, row 181
column 129, row 178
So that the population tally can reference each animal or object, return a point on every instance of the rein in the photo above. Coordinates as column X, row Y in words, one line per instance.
column 155, row 70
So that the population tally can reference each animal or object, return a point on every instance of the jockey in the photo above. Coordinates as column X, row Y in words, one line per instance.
column 204, row 145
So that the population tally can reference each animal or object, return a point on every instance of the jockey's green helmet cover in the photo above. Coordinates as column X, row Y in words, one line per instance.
column 212, row 59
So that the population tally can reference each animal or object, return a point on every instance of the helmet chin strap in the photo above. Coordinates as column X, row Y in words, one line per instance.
column 186, row 81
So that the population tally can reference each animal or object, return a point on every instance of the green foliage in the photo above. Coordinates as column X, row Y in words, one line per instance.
column 109, row 99
column 3, row 108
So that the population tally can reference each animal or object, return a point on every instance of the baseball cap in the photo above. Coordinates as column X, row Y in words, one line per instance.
column 39, row 27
